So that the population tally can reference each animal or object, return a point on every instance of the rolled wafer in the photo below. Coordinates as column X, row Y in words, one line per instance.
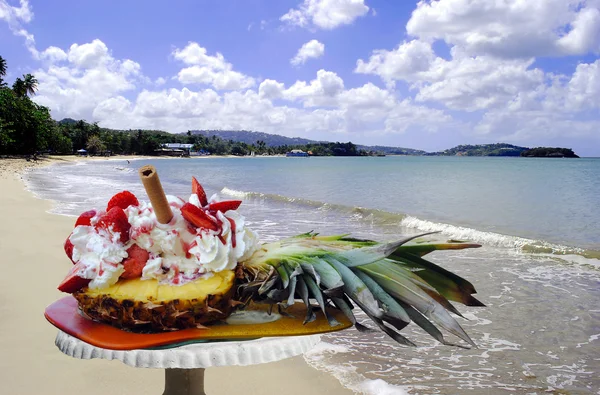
column 155, row 192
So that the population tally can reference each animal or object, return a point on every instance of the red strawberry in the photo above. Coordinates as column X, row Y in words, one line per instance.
column 85, row 218
column 122, row 199
column 225, row 205
column 69, row 249
column 198, row 217
column 134, row 264
column 116, row 219
column 232, row 222
column 73, row 282
column 198, row 190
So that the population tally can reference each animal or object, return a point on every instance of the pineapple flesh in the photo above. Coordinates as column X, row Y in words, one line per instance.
column 146, row 305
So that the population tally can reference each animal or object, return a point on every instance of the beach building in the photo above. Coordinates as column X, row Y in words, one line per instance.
column 297, row 152
column 174, row 149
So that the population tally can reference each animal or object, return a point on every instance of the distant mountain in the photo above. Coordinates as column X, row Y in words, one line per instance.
column 67, row 121
column 275, row 140
column 498, row 149
column 244, row 136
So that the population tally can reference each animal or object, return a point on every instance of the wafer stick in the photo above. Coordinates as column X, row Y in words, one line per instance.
column 156, row 193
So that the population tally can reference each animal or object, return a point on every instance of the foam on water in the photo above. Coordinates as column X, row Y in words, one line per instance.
column 575, row 255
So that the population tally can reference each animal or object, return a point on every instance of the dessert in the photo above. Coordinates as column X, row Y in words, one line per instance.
column 171, row 263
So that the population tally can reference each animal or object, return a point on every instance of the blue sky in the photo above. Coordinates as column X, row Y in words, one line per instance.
column 426, row 75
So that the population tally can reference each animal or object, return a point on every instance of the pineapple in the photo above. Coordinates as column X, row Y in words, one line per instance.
column 140, row 305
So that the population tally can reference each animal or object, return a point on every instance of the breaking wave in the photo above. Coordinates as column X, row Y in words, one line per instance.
column 570, row 254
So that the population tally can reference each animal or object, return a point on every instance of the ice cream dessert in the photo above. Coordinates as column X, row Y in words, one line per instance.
column 174, row 263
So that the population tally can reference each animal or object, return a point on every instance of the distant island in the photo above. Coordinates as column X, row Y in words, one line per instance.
column 502, row 149
column 546, row 152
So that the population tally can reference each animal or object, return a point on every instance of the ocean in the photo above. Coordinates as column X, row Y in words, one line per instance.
column 538, row 271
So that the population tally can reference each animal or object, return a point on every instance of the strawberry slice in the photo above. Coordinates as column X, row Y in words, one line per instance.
column 122, row 199
column 198, row 217
column 85, row 218
column 198, row 190
column 68, row 246
column 225, row 205
column 232, row 222
column 135, row 262
column 73, row 282
column 115, row 220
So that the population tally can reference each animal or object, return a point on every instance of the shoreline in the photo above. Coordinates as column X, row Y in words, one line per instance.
column 32, row 362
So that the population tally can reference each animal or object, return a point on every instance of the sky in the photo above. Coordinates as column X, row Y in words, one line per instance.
column 426, row 75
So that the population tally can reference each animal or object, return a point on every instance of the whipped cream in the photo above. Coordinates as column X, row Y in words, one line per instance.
column 179, row 253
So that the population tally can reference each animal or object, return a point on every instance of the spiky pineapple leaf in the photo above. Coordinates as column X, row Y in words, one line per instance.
column 424, row 249
column 449, row 284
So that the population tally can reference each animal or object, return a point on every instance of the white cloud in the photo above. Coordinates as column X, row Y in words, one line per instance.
column 321, row 91
column 404, row 62
column 209, row 70
column 325, row 14
column 53, row 54
column 77, row 80
column 271, row 89
column 15, row 17
column 511, row 28
column 9, row 13
column 312, row 49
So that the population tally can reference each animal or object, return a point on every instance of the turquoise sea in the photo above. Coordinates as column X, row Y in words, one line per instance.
column 538, row 271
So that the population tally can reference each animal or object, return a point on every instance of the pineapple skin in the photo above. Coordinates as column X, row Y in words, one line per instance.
column 145, row 306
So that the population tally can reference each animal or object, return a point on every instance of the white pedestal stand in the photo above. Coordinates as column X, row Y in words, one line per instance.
column 184, row 366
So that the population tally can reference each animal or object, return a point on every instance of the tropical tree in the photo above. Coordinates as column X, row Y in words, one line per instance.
column 95, row 145
column 2, row 72
column 30, row 84
column 19, row 88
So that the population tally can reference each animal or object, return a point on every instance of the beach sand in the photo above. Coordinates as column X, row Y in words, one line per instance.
column 34, row 263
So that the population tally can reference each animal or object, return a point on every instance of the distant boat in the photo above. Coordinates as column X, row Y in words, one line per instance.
column 296, row 152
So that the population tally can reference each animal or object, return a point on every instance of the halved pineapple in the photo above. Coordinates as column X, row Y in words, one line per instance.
column 145, row 305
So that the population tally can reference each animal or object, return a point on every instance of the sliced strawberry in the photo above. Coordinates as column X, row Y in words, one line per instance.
column 69, row 249
column 232, row 222
column 85, row 218
column 198, row 217
column 135, row 262
column 225, row 205
column 122, row 199
column 73, row 282
column 115, row 219
column 198, row 190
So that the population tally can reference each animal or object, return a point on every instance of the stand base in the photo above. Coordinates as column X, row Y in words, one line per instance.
column 184, row 382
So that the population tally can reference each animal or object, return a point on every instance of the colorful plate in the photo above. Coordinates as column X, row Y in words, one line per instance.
column 65, row 315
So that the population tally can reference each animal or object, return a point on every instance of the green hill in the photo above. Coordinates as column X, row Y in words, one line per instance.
column 547, row 152
column 498, row 149
column 275, row 140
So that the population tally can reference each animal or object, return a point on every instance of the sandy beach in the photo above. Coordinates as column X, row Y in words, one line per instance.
column 34, row 263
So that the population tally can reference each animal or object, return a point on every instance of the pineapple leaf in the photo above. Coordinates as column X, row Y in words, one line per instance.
column 364, row 256
column 450, row 285
column 391, row 306
column 424, row 249
column 356, row 289
column 398, row 283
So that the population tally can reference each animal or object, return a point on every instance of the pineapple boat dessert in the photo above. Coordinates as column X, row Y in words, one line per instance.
column 171, row 264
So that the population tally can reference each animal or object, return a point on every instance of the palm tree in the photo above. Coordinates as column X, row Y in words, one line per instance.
column 2, row 71
column 19, row 88
column 31, row 84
